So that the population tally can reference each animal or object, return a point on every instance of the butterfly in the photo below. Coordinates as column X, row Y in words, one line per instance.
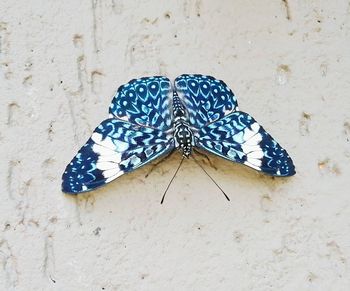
column 148, row 118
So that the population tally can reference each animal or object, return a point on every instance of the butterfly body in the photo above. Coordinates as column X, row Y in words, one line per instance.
column 183, row 134
column 149, row 119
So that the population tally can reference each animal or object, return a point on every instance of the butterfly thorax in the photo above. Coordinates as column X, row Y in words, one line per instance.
column 183, row 135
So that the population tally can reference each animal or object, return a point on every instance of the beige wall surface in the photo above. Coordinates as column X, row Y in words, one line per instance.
column 289, row 64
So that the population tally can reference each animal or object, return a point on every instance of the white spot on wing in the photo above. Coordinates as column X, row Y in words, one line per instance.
column 255, row 162
column 112, row 172
column 252, row 166
column 119, row 146
column 115, row 157
column 238, row 137
column 115, row 176
column 108, row 158
column 107, row 142
column 102, row 151
column 250, row 148
column 256, row 139
column 255, row 127
column 106, row 165
column 249, row 133
column 125, row 118
column 256, row 154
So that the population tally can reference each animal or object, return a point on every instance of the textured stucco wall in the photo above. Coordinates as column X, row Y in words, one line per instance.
column 289, row 64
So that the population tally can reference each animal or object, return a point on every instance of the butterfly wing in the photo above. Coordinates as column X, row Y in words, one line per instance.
column 145, row 101
column 206, row 98
column 116, row 147
column 239, row 138
column 227, row 132
column 135, row 134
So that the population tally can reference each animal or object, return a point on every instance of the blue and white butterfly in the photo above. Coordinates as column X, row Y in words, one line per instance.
column 149, row 119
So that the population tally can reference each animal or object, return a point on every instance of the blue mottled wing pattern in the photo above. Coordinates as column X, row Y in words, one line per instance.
column 239, row 138
column 206, row 98
column 136, row 133
column 145, row 101
column 116, row 147
column 222, row 129
column 140, row 129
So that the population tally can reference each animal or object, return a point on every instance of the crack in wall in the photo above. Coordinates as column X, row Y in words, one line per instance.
column 117, row 6
column 9, row 264
column 80, row 70
column 192, row 8
column 76, row 105
column 94, row 4
column 49, row 258
column 4, row 38
column 12, row 167
column 74, row 121
column 287, row 8
column 96, row 76
column 12, row 108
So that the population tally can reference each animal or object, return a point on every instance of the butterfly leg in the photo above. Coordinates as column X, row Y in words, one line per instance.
column 153, row 166
column 206, row 157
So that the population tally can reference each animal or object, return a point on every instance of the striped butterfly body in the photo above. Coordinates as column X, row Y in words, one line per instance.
column 147, row 119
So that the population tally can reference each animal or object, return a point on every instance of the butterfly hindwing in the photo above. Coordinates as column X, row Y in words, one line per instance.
column 145, row 101
column 206, row 98
column 239, row 138
column 116, row 147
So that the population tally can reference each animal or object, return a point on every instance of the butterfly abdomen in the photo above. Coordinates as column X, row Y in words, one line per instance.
column 183, row 135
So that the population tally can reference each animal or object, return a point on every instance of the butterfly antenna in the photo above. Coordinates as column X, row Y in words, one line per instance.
column 210, row 177
column 167, row 188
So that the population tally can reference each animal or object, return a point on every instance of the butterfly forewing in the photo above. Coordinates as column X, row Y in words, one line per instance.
column 206, row 98
column 145, row 101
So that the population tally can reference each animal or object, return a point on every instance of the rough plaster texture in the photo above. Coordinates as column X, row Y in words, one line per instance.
column 289, row 64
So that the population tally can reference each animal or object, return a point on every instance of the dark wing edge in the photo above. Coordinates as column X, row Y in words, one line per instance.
column 239, row 138
column 115, row 148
